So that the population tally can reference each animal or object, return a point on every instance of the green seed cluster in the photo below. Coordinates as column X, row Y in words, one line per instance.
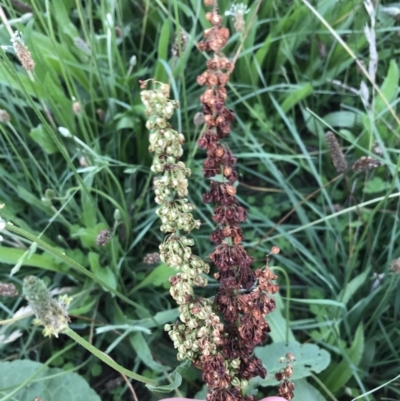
column 200, row 330
column 50, row 313
column 200, row 333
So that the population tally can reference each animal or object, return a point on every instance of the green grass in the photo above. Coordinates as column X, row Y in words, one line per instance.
column 339, row 233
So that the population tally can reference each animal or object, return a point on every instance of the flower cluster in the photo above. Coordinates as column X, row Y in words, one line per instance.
column 198, row 335
column 244, row 295
column 22, row 52
column 50, row 313
column 364, row 163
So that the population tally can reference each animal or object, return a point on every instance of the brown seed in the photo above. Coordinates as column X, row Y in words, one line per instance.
column 212, row 80
column 216, row 19
column 230, row 189
column 275, row 250
column 227, row 171
column 223, row 79
column 219, row 152
column 103, row 237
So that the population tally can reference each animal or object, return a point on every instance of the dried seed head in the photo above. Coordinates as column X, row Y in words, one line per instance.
column 151, row 258
column 76, row 108
column 395, row 266
column 377, row 149
column 103, row 237
column 275, row 250
column 198, row 119
column 22, row 52
column 230, row 190
column 8, row 290
column 365, row 163
column 175, row 46
column 337, row 155
column 4, row 116
column 286, row 387
column 101, row 115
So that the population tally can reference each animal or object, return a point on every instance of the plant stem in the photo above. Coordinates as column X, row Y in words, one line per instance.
column 107, row 359
column 42, row 244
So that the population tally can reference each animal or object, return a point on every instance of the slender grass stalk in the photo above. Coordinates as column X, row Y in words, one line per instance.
column 70, row 262
column 106, row 359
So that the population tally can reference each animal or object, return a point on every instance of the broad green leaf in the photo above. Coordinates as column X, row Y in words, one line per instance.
column 42, row 138
column 244, row 63
column 167, row 316
column 376, row 185
column 86, row 235
column 175, row 381
column 163, row 48
column 159, row 276
column 63, row 20
column 17, row 81
column 353, row 286
column 201, row 394
column 83, row 307
column 55, row 56
column 103, row 273
column 48, row 384
column 139, row 344
column 88, row 204
column 369, row 353
column 305, row 391
column 343, row 119
column 126, row 121
column 261, row 54
column 12, row 256
column 389, row 88
column 309, row 358
column 59, row 103
column 278, row 323
column 339, row 375
column 295, row 97
column 31, row 199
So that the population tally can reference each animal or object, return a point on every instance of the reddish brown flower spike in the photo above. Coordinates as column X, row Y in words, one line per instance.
column 243, row 298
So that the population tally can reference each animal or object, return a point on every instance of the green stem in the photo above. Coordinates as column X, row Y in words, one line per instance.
column 42, row 244
column 287, row 306
column 106, row 359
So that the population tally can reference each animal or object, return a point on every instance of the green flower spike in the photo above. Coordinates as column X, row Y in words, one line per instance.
column 50, row 313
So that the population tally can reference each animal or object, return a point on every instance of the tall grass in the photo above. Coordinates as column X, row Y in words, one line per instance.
column 298, row 75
